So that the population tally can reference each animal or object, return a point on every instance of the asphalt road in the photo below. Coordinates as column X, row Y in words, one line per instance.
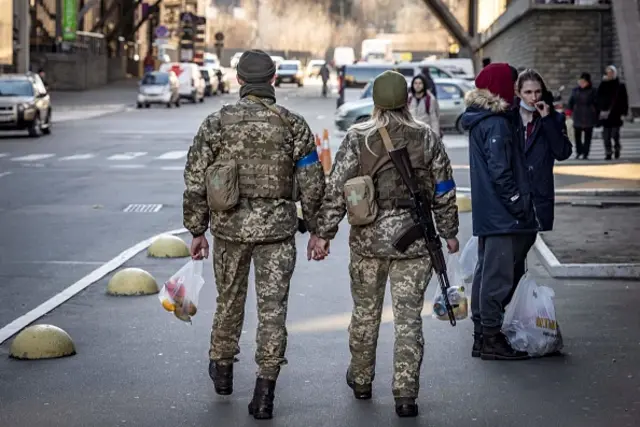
column 62, row 215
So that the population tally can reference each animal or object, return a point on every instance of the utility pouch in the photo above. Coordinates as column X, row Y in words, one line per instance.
column 223, row 192
column 360, row 195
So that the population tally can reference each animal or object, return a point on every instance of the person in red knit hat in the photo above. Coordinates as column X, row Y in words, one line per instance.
column 502, row 212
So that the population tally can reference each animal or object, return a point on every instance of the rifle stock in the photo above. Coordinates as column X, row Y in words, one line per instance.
column 423, row 227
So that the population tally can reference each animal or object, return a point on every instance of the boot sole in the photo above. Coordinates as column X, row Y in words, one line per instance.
column 475, row 353
column 224, row 391
column 259, row 415
column 485, row 356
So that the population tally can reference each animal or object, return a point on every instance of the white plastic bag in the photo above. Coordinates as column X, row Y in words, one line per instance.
column 530, row 321
column 179, row 295
column 469, row 259
column 457, row 293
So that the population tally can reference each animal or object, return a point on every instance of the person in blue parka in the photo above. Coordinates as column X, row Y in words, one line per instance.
column 502, row 210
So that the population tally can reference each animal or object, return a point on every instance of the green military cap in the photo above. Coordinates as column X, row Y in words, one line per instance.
column 390, row 90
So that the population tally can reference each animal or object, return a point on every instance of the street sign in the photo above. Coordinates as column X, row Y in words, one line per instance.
column 219, row 36
column 69, row 20
column 162, row 32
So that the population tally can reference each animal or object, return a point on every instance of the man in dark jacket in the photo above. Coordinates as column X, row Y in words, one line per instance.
column 613, row 104
column 502, row 212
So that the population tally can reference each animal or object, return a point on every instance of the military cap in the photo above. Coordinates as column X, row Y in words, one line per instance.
column 256, row 66
column 390, row 90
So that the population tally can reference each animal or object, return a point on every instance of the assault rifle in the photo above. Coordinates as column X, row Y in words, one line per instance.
column 421, row 213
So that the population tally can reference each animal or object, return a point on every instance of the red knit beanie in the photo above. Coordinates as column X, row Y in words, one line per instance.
column 497, row 79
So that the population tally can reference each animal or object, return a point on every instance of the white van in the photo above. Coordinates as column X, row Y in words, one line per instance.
column 192, row 84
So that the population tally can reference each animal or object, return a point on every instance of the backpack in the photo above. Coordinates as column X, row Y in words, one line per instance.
column 427, row 102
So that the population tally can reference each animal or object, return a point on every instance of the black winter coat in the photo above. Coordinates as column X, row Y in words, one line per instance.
column 612, row 95
column 500, row 194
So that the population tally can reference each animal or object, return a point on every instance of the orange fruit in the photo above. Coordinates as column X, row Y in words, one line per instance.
column 168, row 305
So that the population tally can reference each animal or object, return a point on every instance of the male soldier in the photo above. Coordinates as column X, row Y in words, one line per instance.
column 365, row 185
column 247, row 163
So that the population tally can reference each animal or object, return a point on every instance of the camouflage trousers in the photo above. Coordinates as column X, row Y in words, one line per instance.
column 409, row 279
column 273, row 265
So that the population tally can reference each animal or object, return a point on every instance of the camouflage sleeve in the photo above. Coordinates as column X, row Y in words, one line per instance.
column 444, row 205
column 309, row 172
column 195, row 210
column 345, row 166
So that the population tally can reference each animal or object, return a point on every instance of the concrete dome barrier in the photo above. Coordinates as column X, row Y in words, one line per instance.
column 168, row 246
column 463, row 202
column 42, row 342
column 132, row 281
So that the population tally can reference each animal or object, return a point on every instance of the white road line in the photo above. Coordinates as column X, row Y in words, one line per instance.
column 127, row 156
column 3, row 155
column 172, row 168
column 78, row 157
column 173, row 155
column 148, row 132
column 32, row 157
column 131, row 166
column 57, row 262
column 4, row 174
column 21, row 322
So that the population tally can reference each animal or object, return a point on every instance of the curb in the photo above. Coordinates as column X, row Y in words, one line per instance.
column 592, row 192
column 121, row 109
column 583, row 271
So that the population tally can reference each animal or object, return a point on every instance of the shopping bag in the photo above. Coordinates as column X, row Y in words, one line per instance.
column 530, row 322
column 457, row 293
column 469, row 259
column 179, row 295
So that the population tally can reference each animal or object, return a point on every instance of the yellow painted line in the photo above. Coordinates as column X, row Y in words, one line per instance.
column 626, row 171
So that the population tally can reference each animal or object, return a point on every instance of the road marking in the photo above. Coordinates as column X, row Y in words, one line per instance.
column 32, row 157
column 3, row 155
column 127, row 156
column 133, row 166
column 57, row 262
column 78, row 157
column 172, row 168
column 23, row 321
column 142, row 208
column 147, row 132
column 173, row 155
column 4, row 174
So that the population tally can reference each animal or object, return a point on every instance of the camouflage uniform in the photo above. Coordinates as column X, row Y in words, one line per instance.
column 258, row 228
column 374, row 259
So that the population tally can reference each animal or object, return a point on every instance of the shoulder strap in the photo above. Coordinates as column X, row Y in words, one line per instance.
column 427, row 102
column 385, row 138
column 274, row 110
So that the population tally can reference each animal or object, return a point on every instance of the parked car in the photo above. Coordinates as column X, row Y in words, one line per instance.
column 451, row 93
column 210, row 80
column 192, row 84
column 290, row 71
column 159, row 87
column 25, row 104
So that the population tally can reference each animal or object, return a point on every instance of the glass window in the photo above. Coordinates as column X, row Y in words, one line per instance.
column 438, row 73
column 406, row 71
column 364, row 74
column 292, row 67
column 16, row 88
column 156, row 79
column 368, row 91
column 448, row 91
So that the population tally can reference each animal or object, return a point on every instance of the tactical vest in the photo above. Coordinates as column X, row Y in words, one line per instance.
column 390, row 191
column 259, row 139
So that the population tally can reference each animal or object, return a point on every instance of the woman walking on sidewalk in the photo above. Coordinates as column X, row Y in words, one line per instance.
column 582, row 108
column 613, row 104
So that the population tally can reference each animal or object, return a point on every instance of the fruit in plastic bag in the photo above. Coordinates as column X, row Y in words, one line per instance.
column 180, row 293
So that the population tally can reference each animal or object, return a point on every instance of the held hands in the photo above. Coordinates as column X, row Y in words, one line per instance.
column 543, row 108
column 199, row 248
column 453, row 245
column 317, row 248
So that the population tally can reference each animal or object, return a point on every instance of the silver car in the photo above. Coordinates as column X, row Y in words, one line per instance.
column 450, row 94
column 159, row 87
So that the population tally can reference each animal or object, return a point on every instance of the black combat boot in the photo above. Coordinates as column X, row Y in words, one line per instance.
column 477, row 345
column 406, row 407
column 360, row 392
column 495, row 346
column 261, row 406
column 222, row 376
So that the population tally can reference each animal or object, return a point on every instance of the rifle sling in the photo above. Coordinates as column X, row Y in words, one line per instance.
column 274, row 110
column 386, row 138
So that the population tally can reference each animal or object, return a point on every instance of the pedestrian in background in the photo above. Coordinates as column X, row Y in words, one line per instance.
column 423, row 105
column 236, row 150
column 612, row 104
column 503, row 217
column 582, row 108
column 364, row 176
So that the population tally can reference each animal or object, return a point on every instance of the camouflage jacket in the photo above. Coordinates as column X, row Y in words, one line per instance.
column 253, row 220
column 375, row 239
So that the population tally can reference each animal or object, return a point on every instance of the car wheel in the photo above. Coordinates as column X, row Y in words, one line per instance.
column 35, row 128
column 147, row 105
column 139, row 105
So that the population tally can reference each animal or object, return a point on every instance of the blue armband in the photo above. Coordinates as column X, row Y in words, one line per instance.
column 445, row 186
column 309, row 159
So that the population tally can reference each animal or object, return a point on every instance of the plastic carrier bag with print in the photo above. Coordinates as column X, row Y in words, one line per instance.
column 530, row 322
column 179, row 295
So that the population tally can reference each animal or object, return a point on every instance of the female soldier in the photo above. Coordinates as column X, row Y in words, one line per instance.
column 365, row 185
